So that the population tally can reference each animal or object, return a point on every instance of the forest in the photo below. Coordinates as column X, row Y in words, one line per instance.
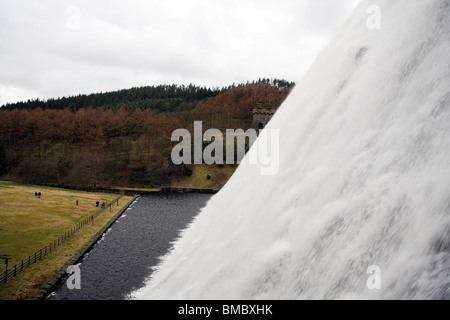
column 120, row 138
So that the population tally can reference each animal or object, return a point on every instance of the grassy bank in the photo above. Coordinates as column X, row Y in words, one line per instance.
column 206, row 177
column 28, row 223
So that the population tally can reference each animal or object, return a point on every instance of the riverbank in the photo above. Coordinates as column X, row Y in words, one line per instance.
column 128, row 252
column 204, row 179
column 28, row 223
column 144, row 191
column 44, row 291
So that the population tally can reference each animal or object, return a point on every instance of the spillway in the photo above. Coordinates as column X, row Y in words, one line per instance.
column 360, row 205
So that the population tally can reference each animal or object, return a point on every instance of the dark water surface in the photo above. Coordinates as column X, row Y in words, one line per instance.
column 120, row 262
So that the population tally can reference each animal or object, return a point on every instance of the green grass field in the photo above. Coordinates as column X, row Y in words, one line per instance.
column 27, row 224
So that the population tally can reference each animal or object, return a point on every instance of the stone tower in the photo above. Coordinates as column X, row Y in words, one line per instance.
column 261, row 116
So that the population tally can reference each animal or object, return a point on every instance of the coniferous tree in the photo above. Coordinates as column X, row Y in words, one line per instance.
column 3, row 159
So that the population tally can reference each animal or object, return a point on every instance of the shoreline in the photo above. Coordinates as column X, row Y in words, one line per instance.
column 137, row 191
column 47, row 288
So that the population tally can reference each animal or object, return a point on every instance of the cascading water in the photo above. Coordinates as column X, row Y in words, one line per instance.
column 363, row 180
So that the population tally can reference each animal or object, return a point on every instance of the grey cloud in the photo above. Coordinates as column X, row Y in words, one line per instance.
column 119, row 44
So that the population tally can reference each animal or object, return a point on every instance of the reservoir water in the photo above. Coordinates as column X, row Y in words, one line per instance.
column 123, row 258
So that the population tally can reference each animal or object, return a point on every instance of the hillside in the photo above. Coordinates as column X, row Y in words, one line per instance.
column 120, row 138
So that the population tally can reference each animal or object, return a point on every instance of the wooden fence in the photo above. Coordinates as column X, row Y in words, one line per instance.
column 11, row 272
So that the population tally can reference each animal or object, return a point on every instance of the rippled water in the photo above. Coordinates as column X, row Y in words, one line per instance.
column 122, row 259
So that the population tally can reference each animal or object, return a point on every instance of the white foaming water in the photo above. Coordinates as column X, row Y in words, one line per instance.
column 364, row 179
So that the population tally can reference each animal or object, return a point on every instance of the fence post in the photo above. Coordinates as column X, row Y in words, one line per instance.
column 6, row 272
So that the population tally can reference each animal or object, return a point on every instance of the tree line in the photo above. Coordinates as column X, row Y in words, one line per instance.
column 163, row 98
column 120, row 138
column 150, row 97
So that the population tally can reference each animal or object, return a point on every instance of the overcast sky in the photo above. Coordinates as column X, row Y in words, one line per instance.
column 55, row 48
